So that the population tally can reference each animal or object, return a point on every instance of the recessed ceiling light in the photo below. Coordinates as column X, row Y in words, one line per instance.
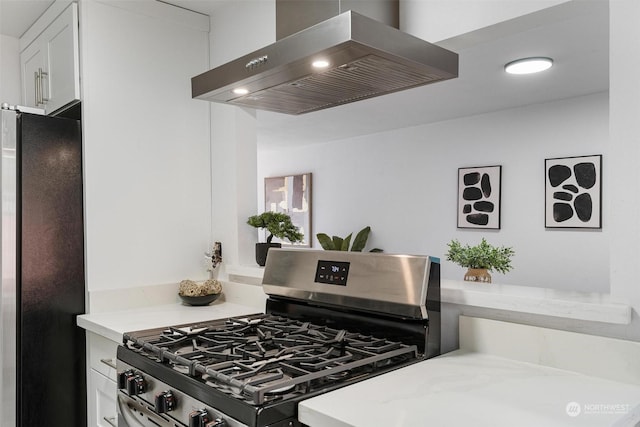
column 240, row 91
column 321, row 63
column 528, row 65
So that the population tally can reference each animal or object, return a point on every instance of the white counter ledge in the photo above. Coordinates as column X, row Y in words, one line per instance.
column 113, row 324
column 593, row 307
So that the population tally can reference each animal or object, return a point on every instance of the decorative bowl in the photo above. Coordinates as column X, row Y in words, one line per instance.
column 199, row 300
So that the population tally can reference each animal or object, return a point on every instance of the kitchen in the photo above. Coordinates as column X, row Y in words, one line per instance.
column 157, row 201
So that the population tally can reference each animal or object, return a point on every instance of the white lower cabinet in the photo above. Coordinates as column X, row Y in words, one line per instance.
column 101, row 387
column 102, row 401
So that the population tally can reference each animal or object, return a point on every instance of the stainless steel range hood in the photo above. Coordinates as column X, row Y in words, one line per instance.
column 366, row 59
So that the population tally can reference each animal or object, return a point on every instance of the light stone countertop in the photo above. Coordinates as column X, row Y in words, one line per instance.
column 113, row 324
column 472, row 389
column 461, row 388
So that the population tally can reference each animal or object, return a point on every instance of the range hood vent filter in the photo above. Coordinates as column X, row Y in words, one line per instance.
column 361, row 79
column 367, row 59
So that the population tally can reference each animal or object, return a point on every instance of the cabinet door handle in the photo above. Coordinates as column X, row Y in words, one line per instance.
column 36, row 88
column 111, row 421
column 41, row 73
column 109, row 363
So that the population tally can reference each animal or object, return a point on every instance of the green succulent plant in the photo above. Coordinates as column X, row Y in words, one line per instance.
column 278, row 225
column 336, row 243
column 483, row 255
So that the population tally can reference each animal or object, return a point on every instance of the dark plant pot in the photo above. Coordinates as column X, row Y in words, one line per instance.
column 261, row 252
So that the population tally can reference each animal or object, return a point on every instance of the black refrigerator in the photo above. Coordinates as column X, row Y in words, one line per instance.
column 42, row 260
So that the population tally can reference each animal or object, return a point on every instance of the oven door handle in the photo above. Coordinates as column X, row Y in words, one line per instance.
column 125, row 412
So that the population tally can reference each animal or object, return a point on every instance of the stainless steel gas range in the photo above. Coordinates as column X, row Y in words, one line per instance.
column 332, row 319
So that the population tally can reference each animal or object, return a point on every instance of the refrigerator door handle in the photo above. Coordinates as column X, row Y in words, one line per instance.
column 8, row 276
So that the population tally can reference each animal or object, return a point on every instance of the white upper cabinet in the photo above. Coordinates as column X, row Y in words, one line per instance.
column 32, row 63
column 50, row 65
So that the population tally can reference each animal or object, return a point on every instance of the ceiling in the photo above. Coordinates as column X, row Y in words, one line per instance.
column 575, row 34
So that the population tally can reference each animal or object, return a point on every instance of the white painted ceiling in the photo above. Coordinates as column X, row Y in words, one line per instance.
column 574, row 34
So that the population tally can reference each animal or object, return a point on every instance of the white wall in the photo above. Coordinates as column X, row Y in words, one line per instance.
column 625, row 150
column 9, row 70
column 403, row 183
column 236, row 29
column 146, row 144
column 241, row 27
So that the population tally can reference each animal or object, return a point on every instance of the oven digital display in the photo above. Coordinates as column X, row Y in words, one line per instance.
column 332, row 272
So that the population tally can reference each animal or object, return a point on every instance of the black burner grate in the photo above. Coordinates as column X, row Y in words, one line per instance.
column 265, row 357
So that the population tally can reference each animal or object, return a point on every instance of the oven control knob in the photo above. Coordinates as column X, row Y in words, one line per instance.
column 165, row 402
column 122, row 378
column 218, row 422
column 136, row 385
column 199, row 418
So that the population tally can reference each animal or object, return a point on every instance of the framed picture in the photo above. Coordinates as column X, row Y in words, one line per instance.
column 479, row 197
column 573, row 192
column 291, row 194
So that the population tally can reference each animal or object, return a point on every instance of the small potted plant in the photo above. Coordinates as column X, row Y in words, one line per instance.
column 336, row 243
column 277, row 225
column 480, row 259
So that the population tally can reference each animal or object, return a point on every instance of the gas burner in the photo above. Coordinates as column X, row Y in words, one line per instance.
column 281, row 390
column 270, row 379
column 181, row 368
column 336, row 376
column 274, row 381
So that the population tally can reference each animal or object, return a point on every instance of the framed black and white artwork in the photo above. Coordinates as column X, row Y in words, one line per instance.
column 291, row 194
column 479, row 197
column 573, row 192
